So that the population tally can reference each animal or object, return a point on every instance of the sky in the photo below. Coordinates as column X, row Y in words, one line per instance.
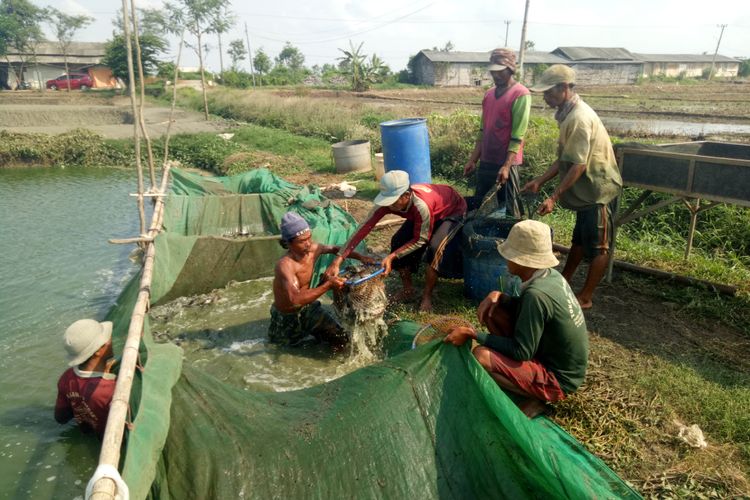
column 395, row 29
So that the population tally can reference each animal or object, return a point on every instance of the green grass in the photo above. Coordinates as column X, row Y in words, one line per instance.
column 314, row 152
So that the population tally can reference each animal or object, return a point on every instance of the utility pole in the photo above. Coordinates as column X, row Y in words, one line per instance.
column 507, row 25
column 522, row 52
column 250, row 54
column 713, row 61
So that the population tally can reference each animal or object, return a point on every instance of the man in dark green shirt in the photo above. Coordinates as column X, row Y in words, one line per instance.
column 537, row 344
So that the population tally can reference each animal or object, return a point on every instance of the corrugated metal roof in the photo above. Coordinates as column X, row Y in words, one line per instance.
column 543, row 58
column 76, row 49
column 684, row 58
column 534, row 57
column 573, row 55
column 594, row 53
column 458, row 57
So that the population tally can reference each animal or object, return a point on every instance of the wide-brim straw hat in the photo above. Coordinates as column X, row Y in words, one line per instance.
column 392, row 185
column 529, row 244
column 84, row 337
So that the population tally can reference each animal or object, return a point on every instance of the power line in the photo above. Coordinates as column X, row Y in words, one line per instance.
column 349, row 35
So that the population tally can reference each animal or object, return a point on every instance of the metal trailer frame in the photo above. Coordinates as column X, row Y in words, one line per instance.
column 692, row 178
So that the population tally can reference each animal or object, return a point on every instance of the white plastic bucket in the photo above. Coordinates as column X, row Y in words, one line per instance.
column 379, row 166
column 352, row 156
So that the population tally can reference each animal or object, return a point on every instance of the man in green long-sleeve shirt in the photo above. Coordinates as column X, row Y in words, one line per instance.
column 538, row 343
column 499, row 147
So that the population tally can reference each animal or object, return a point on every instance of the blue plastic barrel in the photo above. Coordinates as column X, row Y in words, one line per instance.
column 483, row 265
column 406, row 146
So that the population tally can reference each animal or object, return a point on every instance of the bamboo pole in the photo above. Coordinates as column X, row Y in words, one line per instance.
column 687, row 280
column 174, row 98
column 142, row 85
column 104, row 488
column 125, row 241
column 131, row 88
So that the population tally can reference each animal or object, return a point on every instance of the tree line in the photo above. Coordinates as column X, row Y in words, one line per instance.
column 21, row 29
column 194, row 21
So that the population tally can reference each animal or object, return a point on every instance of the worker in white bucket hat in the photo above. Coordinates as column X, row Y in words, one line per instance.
column 537, row 344
column 85, row 390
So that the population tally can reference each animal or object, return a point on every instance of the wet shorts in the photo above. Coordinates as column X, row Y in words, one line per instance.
column 442, row 252
column 312, row 319
column 594, row 228
column 530, row 376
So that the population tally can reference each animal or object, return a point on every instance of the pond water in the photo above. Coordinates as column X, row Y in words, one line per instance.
column 56, row 267
column 225, row 334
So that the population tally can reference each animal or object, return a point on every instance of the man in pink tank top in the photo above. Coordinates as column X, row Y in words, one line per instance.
column 499, row 147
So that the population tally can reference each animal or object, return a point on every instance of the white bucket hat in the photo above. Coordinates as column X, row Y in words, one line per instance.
column 529, row 244
column 392, row 185
column 84, row 337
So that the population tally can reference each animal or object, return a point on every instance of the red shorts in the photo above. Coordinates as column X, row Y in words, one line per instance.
column 530, row 376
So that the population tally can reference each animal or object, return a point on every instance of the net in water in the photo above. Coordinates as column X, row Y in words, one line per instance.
column 360, row 306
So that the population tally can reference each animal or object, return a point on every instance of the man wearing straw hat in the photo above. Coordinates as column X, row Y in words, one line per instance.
column 537, row 345
column 85, row 390
column 499, row 148
column 590, row 181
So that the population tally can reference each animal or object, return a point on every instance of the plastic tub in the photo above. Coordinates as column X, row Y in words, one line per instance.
column 483, row 265
column 352, row 156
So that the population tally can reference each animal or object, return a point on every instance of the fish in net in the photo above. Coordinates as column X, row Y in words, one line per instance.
column 360, row 307
column 437, row 327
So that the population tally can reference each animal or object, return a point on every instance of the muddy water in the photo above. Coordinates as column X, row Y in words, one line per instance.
column 225, row 334
column 628, row 126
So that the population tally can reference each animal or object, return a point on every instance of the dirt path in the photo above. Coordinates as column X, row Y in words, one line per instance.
column 53, row 113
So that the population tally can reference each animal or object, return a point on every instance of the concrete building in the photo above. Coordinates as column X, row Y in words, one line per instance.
column 601, row 65
column 594, row 66
column 687, row 65
column 46, row 62
column 461, row 69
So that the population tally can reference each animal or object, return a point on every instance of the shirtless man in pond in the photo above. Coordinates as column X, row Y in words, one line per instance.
column 296, row 311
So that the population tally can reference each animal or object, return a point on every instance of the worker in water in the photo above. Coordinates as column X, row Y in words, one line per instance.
column 537, row 345
column 434, row 214
column 499, row 147
column 296, row 311
column 590, row 181
column 85, row 390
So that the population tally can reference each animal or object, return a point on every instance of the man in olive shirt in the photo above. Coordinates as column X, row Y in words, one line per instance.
column 538, row 343
column 590, row 180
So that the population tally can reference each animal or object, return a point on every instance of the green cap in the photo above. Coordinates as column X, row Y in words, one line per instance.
column 557, row 73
